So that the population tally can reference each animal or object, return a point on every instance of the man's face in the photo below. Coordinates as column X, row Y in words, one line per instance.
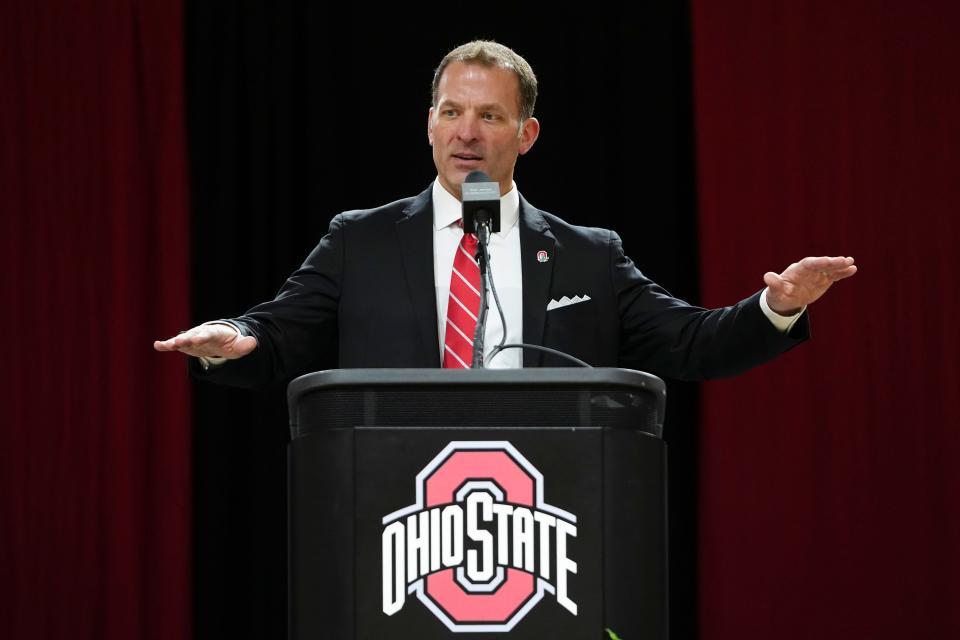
column 476, row 125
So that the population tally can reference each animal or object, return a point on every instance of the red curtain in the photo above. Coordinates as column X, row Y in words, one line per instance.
column 831, row 479
column 94, row 245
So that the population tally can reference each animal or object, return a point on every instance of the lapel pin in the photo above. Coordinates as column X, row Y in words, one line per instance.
column 542, row 256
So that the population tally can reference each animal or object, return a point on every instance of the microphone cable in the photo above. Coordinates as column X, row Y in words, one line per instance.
column 520, row 345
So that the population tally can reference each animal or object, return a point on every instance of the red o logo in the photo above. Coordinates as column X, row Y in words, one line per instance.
column 480, row 548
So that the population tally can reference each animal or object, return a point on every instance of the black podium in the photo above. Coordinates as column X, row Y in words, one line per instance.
column 428, row 503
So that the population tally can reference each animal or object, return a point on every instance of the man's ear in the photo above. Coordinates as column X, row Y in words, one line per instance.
column 430, row 126
column 529, row 132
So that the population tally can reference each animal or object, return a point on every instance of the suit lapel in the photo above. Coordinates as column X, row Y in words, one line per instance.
column 415, row 233
column 537, row 274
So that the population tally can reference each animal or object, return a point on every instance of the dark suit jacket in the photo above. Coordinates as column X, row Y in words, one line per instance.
column 367, row 291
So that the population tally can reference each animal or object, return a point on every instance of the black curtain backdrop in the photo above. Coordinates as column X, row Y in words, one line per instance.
column 294, row 116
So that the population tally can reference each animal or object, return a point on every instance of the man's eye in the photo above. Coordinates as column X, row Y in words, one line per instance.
column 449, row 112
column 490, row 117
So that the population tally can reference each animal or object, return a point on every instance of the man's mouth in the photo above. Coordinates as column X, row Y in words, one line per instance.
column 467, row 156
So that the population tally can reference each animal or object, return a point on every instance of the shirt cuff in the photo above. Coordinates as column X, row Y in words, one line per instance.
column 782, row 323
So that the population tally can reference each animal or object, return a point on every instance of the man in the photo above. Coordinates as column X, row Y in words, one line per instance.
column 396, row 286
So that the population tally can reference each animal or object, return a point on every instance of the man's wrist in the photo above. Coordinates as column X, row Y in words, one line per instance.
column 783, row 323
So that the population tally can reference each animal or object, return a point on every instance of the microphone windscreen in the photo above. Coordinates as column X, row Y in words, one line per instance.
column 480, row 197
column 477, row 176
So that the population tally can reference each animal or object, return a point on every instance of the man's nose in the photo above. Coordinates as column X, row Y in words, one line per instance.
column 468, row 128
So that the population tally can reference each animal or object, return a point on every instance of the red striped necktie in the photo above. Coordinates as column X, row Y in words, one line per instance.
column 463, row 305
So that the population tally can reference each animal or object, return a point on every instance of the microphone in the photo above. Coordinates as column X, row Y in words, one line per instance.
column 481, row 216
column 481, row 202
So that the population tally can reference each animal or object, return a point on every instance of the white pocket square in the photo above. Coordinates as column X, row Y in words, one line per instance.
column 566, row 302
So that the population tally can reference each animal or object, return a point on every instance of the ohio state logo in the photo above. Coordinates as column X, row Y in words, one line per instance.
column 480, row 547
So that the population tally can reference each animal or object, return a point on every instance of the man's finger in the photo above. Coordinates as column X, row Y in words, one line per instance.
column 814, row 263
column 190, row 341
column 235, row 348
column 773, row 280
column 826, row 263
column 164, row 345
column 838, row 264
column 173, row 344
column 843, row 273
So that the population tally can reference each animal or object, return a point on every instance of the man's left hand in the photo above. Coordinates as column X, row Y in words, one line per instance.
column 803, row 282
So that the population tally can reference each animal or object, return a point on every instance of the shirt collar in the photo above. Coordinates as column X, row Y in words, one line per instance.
column 447, row 209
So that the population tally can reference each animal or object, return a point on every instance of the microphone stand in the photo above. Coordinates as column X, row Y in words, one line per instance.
column 483, row 237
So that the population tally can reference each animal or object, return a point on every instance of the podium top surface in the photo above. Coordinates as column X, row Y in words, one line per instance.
column 586, row 392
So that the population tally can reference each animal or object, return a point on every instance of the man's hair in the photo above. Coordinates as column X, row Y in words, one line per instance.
column 489, row 54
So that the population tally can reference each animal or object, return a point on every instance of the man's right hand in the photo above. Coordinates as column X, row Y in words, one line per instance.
column 210, row 340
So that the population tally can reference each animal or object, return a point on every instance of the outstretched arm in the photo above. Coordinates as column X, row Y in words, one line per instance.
column 274, row 340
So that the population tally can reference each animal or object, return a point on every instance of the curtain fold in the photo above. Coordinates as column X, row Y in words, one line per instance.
column 94, row 265
column 829, row 483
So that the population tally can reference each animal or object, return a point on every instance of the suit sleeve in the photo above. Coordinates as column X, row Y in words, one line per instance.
column 669, row 337
column 298, row 328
